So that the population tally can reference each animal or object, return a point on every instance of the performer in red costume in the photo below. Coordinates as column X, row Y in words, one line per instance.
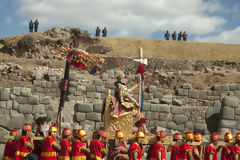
column 135, row 150
column 80, row 151
column 66, row 148
column 210, row 150
column 185, row 150
column 177, row 137
column 10, row 147
column 97, row 148
column 158, row 150
column 50, row 145
column 25, row 143
column 235, row 151
column 226, row 149
column 197, row 150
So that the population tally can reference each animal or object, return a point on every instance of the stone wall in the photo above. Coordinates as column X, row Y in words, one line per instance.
column 187, row 109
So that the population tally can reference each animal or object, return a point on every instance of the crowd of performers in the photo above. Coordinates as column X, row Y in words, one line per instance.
column 75, row 145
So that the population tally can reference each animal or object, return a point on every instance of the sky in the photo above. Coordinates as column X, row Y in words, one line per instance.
column 216, row 21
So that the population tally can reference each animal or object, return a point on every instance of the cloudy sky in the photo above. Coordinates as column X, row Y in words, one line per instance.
column 203, row 20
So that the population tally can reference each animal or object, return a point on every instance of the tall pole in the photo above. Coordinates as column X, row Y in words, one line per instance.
column 64, row 86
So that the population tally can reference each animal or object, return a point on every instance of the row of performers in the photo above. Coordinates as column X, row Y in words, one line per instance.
column 82, row 148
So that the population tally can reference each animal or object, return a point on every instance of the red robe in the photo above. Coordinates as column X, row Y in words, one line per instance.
column 9, row 151
column 235, row 150
column 21, row 149
column 183, row 149
column 210, row 150
column 48, row 153
column 65, row 146
column 158, row 147
column 174, row 153
column 77, row 154
column 225, row 153
column 197, row 148
column 96, row 147
column 135, row 148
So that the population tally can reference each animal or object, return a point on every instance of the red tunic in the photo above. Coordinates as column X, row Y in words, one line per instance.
column 135, row 148
column 96, row 147
column 48, row 153
column 9, row 151
column 183, row 149
column 210, row 150
column 197, row 148
column 21, row 149
column 77, row 154
column 158, row 147
column 225, row 153
column 65, row 146
column 174, row 153
column 235, row 150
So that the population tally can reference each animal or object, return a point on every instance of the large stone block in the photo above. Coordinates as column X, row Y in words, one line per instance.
column 217, row 87
column 91, row 88
column 182, row 92
column 152, row 116
column 164, row 108
column 34, row 100
column 98, row 125
column 88, row 122
column 84, row 107
column 9, row 104
column 80, row 117
column 22, row 100
column 171, row 125
column 101, row 89
column 26, row 92
column 104, row 76
column 228, row 113
column 194, row 94
column 38, row 75
column 82, row 88
column 89, row 129
column 40, row 109
column 4, row 111
column 14, row 121
column 152, row 89
column 146, row 106
column 177, row 102
column 231, row 101
column 165, row 117
column 227, row 124
column 45, row 100
column 238, row 124
column 97, row 107
column 25, row 108
column 4, row 95
column 202, row 94
column 187, row 86
column 78, row 93
column 28, row 118
column 180, row 119
column 98, row 82
column 167, row 99
column 189, row 126
column 233, row 87
column 73, row 84
column 3, row 132
column 94, row 116
column 72, row 76
column 37, row 83
column 176, row 110
column 214, row 109
column 49, row 84
column 161, row 124
column 15, row 105
column 3, row 104
column 17, row 91
column 200, row 126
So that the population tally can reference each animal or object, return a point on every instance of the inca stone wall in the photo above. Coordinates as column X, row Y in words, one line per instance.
column 186, row 109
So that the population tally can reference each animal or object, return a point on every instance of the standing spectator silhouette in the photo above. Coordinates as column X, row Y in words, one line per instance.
column 180, row 36
column 167, row 35
column 184, row 36
column 174, row 36
column 31, row 26
column 98, row 31
column 104, row 32
column 36, row 25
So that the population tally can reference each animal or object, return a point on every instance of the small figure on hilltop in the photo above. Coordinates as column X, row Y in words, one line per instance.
column 98, row 31
column 36, row 23
column 31, row 26
column 184, row 36
column 167, row 35
column 104, row 32
column 174, row 36
column 180, row 36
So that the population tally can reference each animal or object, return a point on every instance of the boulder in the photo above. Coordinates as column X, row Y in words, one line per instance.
column 84, row 107
column 180, row 119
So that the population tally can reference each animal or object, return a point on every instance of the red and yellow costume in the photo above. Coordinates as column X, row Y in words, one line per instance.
column 77, row 154
column 65, row 145
column 48, row 153
column 185, row 148
column 135, row 147
column 10, row 148
column 175, row 148
column 235, row 149
column 210, row 150
column 226, row 150
column 96, row 147
column 197, row 138
column 159, row 147
column 21, row 149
